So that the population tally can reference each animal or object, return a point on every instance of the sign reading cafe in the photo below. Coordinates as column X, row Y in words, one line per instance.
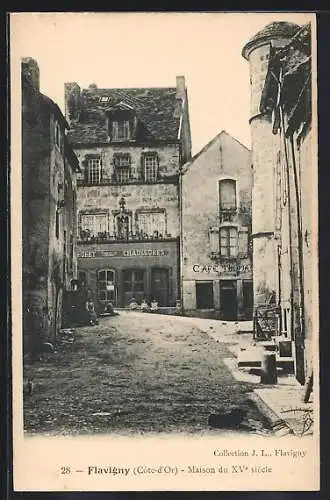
column 232, row 268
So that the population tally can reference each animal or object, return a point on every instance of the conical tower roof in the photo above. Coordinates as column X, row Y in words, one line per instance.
column 278, row 29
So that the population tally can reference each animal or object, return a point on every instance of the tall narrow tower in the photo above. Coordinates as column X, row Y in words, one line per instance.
column 264, row 150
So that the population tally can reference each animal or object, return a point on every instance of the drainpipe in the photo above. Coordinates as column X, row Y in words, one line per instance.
column 286, row 156
column 180, row 231
column 300, row 239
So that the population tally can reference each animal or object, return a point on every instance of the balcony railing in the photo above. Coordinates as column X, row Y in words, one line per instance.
column 130, row 237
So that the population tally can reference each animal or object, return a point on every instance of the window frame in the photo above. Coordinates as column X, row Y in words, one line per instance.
column 230, row 207
column 160, row 212
column 89, row 166
column 229, row 254
column 116, row 125
column 83, row 227
column 154, row 157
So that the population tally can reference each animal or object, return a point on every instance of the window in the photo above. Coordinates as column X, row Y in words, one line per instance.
column 227, row 195
column 204, row 295
column 106, row 285
column 228, row 242
column 133, row 281
column 151, row 224
column 122, row 162
column 57, row 223
column 150, row 168
column 57, row 135
column 123, row 175
column 120, row 130
column 93, row 171
column 93, row 225
column 104, row 99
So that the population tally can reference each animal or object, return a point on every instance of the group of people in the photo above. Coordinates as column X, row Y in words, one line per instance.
column 144, row 306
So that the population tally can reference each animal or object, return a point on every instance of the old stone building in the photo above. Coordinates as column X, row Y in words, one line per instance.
column 49, row 167
column 282, row 154
column 216, row 230
column 131, row 144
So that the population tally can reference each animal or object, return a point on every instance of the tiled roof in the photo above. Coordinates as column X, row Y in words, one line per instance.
column 279, row 29
column 158, row 112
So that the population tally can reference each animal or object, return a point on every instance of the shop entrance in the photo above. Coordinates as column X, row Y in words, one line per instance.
column 106, row 286
column 133, row 285
column 159, row 286
column 228, row 300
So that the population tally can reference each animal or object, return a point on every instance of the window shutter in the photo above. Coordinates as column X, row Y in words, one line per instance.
column 214, row 240
column 243, row 242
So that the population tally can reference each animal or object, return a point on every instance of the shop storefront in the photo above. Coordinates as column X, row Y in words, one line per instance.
column 222, row 291
column 117, row 272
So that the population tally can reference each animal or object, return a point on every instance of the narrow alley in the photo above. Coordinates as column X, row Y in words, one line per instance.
column 137, row 373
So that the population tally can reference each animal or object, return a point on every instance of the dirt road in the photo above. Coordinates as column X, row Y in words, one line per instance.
column 136, row 372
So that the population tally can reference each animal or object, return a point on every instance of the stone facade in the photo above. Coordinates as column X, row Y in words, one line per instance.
column 282, row 159
column 48, row 219
column 216, row 280
column 128, row 213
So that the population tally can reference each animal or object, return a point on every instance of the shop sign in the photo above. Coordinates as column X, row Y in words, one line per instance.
column 230, row 268
column 134, row 252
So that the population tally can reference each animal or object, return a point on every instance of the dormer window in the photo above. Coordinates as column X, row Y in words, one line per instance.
column 121, row 130
column 104, row 99
column 122, row 122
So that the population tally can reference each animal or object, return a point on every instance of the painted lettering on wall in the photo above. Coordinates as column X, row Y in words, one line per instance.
column 222, row 268
column 134, row 252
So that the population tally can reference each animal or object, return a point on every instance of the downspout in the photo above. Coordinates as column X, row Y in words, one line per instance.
column 180, row 230
column 288, row 204
column 300, row 239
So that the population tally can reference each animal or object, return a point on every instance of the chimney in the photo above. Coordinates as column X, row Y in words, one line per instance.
column 180, row 87
column 72, row 100
column 30, row 70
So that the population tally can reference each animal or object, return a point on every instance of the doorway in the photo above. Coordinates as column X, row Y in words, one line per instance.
column 106, row 286
column 133, row 285
column 159, row 286
column 228, row 300
column 248, row 299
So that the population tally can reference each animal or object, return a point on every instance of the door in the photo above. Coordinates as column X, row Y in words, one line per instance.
column 106, row 286
column 133, row 285
column 159, row 286
column 248, row 299
column 228, row 300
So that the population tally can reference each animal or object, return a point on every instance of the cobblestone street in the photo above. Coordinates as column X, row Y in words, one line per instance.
column 137, row 372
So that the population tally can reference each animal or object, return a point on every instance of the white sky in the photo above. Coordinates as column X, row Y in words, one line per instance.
column 150, row 50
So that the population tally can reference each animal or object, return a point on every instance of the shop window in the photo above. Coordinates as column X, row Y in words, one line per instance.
column 93, row 225
column 204, row 295
column 133, row 281
column 93, row 171
column 151, row 224
column 228, row 242
column 227, row 195
column 150, row 168
column 106, row 285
